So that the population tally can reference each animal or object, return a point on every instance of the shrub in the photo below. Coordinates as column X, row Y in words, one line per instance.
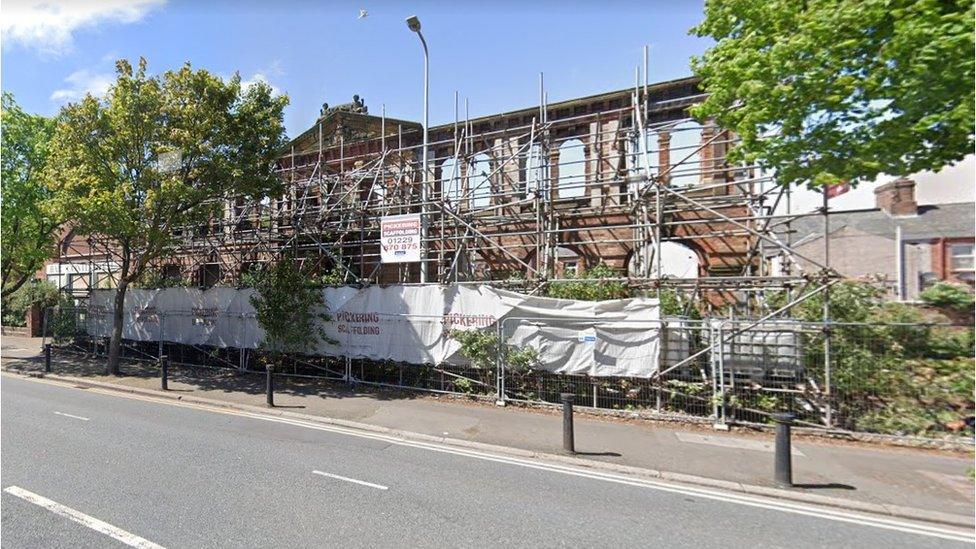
column 38, row 292
column 481, row 348
column 949, row 296
column 591, row 285
column 289, row 308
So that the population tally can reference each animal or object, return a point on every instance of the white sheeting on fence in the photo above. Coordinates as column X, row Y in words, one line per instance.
column 409, row 324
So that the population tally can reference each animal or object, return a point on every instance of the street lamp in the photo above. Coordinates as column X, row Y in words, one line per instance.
column 413, row 23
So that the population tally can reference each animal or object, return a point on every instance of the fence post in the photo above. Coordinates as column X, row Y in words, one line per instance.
column 720, row 424
column 164, row 372
column 662, row 360
column 159, row 352
column 713, row 362
column 500, row 366
column 47, row 358
column 269, row 388
column 783, row 468
column 44, row 323
column 569, row 444
column 828, row 393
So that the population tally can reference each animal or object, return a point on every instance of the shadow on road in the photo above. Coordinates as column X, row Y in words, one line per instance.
column 208, row 379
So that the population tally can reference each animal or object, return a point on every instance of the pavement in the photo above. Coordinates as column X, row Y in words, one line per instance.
column 902, row 482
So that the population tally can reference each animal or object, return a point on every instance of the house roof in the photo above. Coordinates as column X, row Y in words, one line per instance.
column 956, row 220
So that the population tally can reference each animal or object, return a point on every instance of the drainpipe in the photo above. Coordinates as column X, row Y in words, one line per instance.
column 899, row 264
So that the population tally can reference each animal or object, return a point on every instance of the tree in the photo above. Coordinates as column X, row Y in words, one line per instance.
column 158, row 152
column 827, row 91
column 289, row 305
column 29, row 219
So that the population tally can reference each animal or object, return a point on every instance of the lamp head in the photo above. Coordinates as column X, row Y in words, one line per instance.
column 413, row 23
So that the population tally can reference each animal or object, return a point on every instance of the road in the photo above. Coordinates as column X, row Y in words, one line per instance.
column 132, row 470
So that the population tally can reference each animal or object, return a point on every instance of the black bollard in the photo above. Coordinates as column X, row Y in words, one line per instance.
column 568, row 443
column 164, row 372
column 784, row 456
column 47, row 358
column 270, row 389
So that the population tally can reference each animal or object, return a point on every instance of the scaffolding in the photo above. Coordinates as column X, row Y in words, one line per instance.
column 518, row 199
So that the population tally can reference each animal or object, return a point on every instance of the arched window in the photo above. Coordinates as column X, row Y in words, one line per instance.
column 533, row 169
column 479, row 184
column 450, row 181
column 685, row 139
column 677, row 261
column 572, row 169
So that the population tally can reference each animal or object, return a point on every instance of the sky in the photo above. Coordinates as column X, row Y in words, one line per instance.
column 490, row 52
column 55, row 51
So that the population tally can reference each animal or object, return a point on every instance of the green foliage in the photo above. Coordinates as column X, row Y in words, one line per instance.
column 481, row 348
column 289, row 308
column 162, row 151
column 891, row 372
column 850, row 301
column 158, row 152
column 590, row 285
column 843, row 90
column 478, row 346
column 463, row 385
column 156, row 279
column 29, row 214
column 949, row 296
column 63, row 322
column 334, row 277
column 41, row 293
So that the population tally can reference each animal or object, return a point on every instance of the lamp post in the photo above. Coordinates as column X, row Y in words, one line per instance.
column 413, row 23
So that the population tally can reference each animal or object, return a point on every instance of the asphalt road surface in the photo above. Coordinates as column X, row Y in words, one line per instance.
column 87, row 468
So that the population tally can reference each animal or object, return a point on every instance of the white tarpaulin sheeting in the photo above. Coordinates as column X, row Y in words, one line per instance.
column 410, row 324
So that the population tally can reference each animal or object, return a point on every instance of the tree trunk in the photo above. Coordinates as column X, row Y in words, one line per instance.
column 7, row 290
column 115, row 345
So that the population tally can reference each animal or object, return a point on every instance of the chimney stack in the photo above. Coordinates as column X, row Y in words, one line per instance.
column 897, row 198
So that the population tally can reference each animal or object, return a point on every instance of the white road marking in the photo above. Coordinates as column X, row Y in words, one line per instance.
column 72, row 416
column 347, row 479
column 119, row 534
column 828, row 513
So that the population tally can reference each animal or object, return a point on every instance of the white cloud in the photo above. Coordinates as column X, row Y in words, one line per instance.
column 83, row 82
column 48, row 26
column 258, row 77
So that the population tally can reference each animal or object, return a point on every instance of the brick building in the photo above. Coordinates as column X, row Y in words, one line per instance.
column 909, row 245
column 535, row 193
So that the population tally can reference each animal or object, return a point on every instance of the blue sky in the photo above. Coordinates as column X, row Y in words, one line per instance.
column 491, row 52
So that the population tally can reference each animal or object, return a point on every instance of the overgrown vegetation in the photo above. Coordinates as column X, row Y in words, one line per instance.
column 290, row 307
column 481, row 348
column 41, row 293
column 591, row 285
column 891, row 373
column 954, row 297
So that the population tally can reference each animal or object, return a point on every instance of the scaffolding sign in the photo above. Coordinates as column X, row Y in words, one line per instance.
column 400, row 238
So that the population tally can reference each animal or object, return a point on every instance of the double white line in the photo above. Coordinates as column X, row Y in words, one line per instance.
column 728, row 497
column 717, row 495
